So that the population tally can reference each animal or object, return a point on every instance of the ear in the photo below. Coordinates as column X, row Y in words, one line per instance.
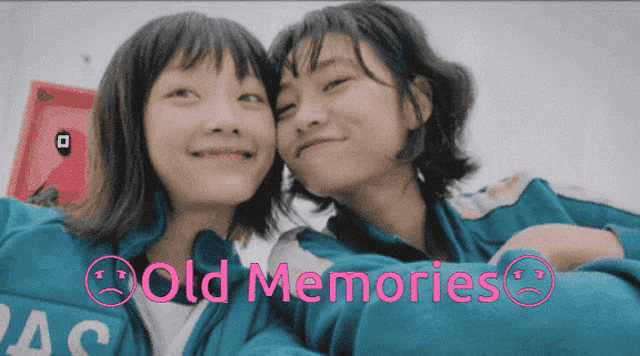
column 421, row 91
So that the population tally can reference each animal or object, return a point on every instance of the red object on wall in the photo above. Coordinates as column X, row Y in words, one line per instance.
column 53, row 143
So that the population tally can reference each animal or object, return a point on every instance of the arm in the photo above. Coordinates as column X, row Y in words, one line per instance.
column 270, row 334
column 600, row 303
column 590, row 211
column 278, row 339
column 599, row 230
column 565, row 246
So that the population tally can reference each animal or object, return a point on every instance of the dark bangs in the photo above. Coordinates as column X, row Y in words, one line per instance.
column 315, row 26
column 123, row 182
column 199, row 36
column 398, row 39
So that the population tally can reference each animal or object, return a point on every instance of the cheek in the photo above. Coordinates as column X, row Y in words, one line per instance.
column 285, row 137
column 385, row 123
column 165, row 127
column 377, row 129
column 392, row 136
column 151, row 138
column 157, row 145
column 268, row 131
column 265, row 130
column 163, row 145
column 370, row 104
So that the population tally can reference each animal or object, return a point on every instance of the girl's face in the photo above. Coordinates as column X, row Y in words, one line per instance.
column 339, row 129
column 210, row 136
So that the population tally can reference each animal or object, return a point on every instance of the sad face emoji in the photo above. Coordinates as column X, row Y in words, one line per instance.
column 529, row 281
column 106, row 288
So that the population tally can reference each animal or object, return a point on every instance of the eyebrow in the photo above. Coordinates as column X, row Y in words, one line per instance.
column 323, row 64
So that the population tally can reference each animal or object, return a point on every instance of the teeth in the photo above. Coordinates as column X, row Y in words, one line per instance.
column 225, row 154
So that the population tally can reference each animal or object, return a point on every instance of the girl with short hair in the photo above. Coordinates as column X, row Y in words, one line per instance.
column 369, row 118
column 182, row 159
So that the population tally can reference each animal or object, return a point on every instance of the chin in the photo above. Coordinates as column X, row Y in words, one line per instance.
column 323, row 187
column 208, row 200
column 327, row 174
column 328, row 184
column 233, row 197
column 223, row 193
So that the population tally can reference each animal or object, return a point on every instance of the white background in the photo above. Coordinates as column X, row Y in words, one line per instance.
column 558, row 84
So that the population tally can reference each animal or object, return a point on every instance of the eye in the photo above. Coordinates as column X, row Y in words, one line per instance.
column 540, row 274
column 181, row 93
column 518, row 274
column 334, row 84
column 121, row 274
column 99, row 274
column 252, row 97
column 282, row 110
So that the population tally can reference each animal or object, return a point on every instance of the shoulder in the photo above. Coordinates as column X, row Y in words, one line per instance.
column 473, row 206
column 35, row 235
column 299, row 258
column 17, row 207
column 289, row 250
column 16, row 215
column 44, row 265
column 522, row 188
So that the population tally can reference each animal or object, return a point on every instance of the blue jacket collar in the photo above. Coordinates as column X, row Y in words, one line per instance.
column 134, row 242
column 363, row 237
column 208, row 248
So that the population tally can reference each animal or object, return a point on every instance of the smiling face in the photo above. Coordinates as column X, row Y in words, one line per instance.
column 339, row 129
column 210, row 136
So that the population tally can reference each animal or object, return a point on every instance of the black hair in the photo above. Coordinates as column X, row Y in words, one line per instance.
column 123, row 182
column 398, row 39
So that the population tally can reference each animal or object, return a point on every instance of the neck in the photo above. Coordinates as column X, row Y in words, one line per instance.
column 176, row 244
column 392, row 205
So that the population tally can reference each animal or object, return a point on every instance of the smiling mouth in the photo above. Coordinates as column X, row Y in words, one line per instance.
column 528, row 290
column 232, row 154
column 110, row 290
column 311, row 145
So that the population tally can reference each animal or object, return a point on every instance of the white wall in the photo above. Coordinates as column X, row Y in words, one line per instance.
column 558, row 83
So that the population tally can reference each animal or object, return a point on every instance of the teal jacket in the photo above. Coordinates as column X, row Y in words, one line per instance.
column 464, row 306
column 45, row 308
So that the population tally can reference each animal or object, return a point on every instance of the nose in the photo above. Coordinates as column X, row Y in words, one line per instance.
column 311, row 114
column 222, row 119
